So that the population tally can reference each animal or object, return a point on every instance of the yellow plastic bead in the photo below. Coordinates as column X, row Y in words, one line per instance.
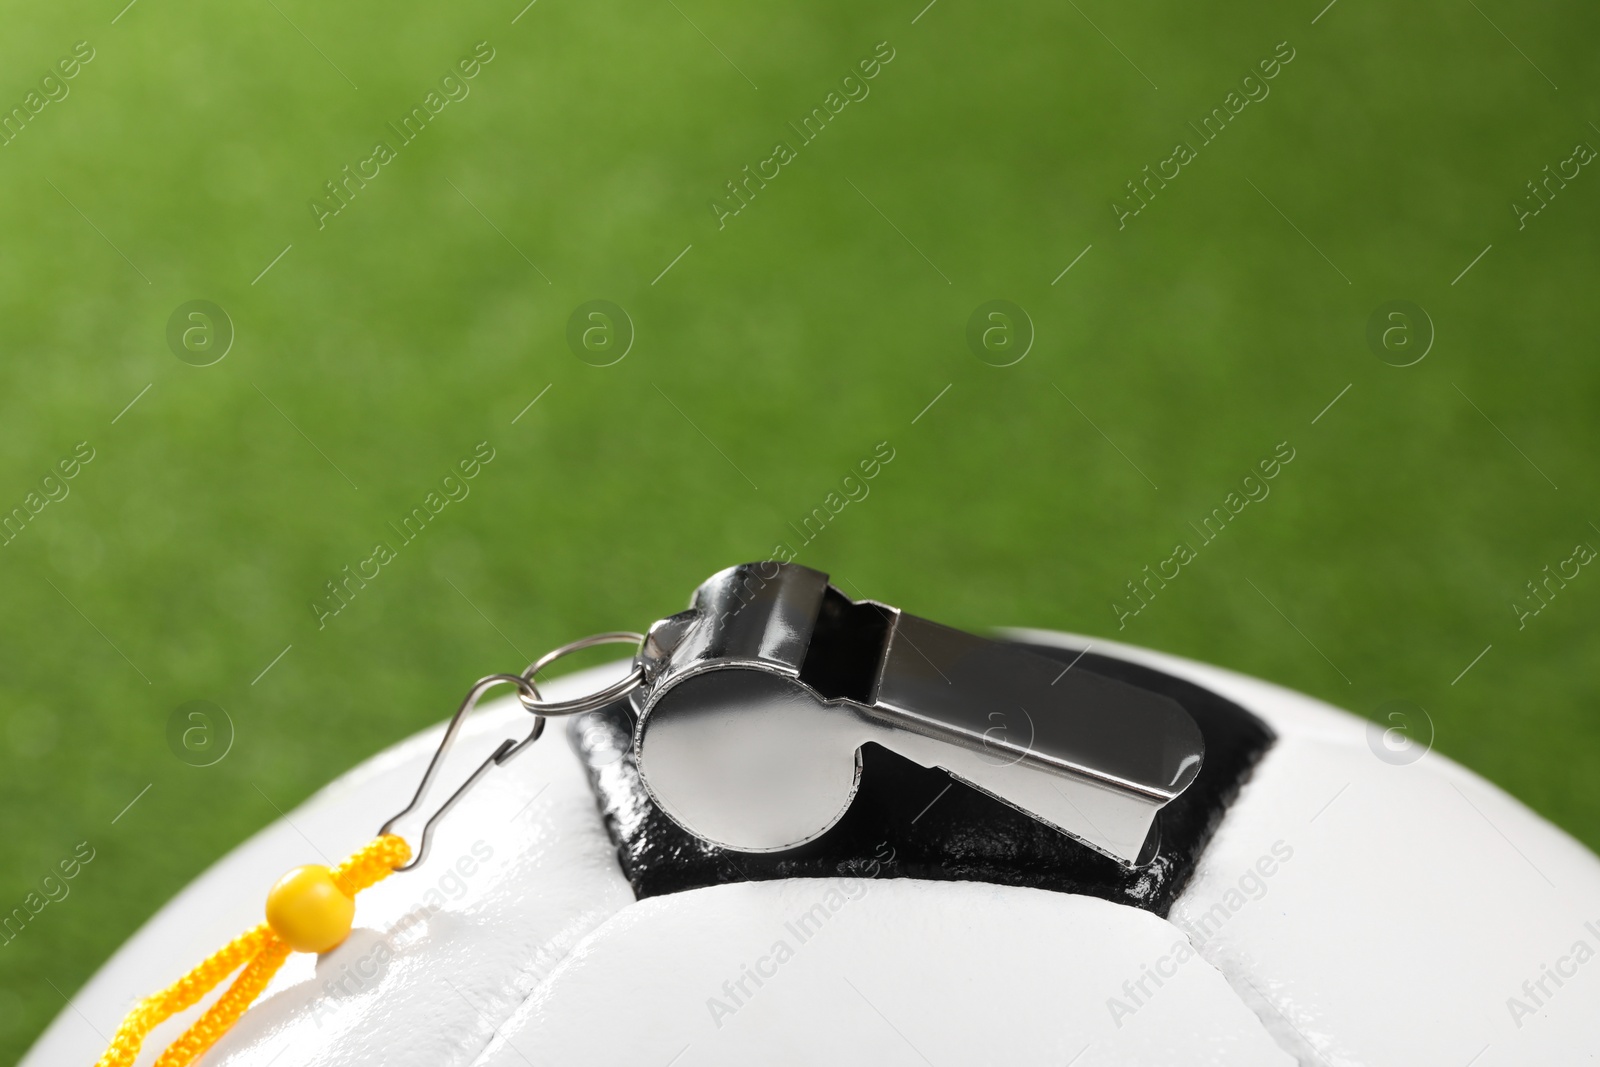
column 309, row 911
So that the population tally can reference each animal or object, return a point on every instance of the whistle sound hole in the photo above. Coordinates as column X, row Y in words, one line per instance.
column 846, row 648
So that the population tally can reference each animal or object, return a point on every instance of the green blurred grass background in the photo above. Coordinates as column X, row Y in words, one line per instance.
column 819, row 322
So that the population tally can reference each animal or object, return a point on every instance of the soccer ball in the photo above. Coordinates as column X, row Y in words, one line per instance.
column 1326, row 893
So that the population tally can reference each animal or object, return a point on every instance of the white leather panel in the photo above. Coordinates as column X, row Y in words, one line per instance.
column 519, row 871
column 869, row 972
column 1419, row 910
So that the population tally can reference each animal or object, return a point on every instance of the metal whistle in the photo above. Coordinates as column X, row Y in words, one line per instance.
column 754, row 703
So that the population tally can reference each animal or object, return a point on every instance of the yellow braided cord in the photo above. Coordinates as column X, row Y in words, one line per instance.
column 184, row 993
column 220, row 1017
column 261, row 952
column 371, row 864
